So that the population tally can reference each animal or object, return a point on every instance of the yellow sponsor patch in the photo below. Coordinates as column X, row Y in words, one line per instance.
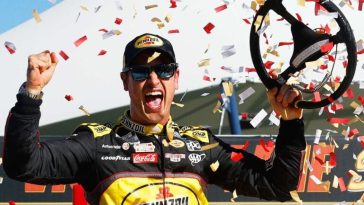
column 200, row 135
column 177, row 143
column 148, row 41
column 97, row 129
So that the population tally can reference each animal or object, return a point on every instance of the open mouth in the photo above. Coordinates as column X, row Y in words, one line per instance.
column 154, row 99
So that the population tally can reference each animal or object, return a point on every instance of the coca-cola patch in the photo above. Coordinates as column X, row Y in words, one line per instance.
column 139, row 158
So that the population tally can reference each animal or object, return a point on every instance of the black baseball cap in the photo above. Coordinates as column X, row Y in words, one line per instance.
column 145, row 42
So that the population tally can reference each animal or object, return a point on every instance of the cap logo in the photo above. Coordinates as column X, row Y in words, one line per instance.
column 148, row 41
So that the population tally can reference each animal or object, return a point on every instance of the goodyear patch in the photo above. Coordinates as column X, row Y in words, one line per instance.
column 200, row 135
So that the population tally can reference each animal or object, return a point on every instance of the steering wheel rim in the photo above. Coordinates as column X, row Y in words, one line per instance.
column 347, row 37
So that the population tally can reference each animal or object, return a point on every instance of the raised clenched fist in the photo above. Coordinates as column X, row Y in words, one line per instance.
column 41, row 67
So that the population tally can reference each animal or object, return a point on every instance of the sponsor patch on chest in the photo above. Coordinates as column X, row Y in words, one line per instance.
column 144, row 147
column 193, row 146
column 141, row 158
column 175, row 157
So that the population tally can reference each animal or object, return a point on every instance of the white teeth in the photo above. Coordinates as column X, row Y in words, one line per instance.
column 156, row 93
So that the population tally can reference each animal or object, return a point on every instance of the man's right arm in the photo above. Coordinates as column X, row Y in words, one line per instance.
column 27, row 159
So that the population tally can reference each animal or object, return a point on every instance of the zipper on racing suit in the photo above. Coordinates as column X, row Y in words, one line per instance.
column 158, row 140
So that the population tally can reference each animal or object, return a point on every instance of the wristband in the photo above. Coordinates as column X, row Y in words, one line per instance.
column 24, row 91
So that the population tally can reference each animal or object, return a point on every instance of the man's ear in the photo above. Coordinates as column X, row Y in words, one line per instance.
column 176, row 79
column 124, row 78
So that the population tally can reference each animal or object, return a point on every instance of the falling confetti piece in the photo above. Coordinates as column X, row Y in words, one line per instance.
column 36, row 16
column 80, row 41
column 342, row 184
column 317, row 136
column 97, row 8
column 68, row 97
column 258, row 118
column 299, row 18
column 285, row 43
column 173, row 31
column 153, row 57
column 228, row 50
column 220, row 8
column 246, row 94
column 236, row 156
column 158, row 22
column 228, row 88
column 327, row 47
column 12, row 203
column 84, row 8
column 78, row 16
column 274, row 119
column 10, row 47
column 83, row 109
column 268, row 64
column 258, row 22
column 208, row 28
column 301, row 2
column 63, row 55
column 247, row 21
column 102, row 52
column 332, row 160
column 209, row 146
column 116, row 32
column 214, row 166
column 151, row 6
column 315, row 179
column 235, row 196
column 168, row 18
column 335, row 183
column 204, row 62
column 295, row 196
column 118, row 21
column 173, row 4
column 178, row 104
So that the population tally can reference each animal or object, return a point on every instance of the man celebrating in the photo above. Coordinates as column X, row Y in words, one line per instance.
column 146, row 158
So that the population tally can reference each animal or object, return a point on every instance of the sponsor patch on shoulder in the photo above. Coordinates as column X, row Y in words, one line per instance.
column 200, row 135
column 99, row 130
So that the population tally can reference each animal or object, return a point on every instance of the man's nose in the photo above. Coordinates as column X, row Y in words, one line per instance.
column 153, row 78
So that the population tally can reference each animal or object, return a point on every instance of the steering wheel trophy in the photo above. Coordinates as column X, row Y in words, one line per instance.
column 307, row 47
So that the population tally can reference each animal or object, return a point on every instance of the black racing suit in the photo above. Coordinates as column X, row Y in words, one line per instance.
column 134, row 164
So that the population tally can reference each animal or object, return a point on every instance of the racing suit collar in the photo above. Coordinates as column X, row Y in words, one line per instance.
column 148, row 130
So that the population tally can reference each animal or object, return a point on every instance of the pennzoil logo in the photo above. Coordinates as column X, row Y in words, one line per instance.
column 148, row 41
column 170, row 201
column 165, row 197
